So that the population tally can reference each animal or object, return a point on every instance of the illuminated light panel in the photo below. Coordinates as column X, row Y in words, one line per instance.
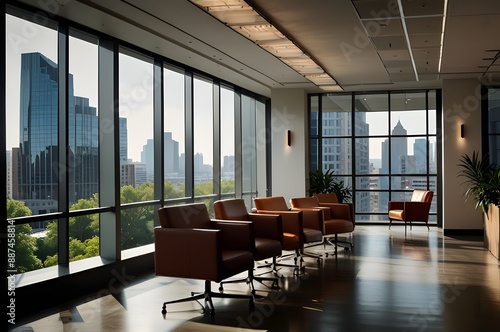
column 243, row 19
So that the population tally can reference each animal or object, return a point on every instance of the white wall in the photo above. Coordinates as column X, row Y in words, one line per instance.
column 289, row 163
column 461, row 105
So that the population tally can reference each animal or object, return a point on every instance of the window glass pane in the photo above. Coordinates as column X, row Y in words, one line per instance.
column 248, row 144
column 84, row 232
column 373, row 116
column 337, row 155
column 203, row 137
column 378, row 159
column 136, row 121
column 373, row 202
column 137, row 225
column 408, row 113
column 372, row 182
column 32, row 115
column 336, row 115
column 83, row 119
column 227, row 140
column 313, row 115
column 174, row 119
column 431, row 95
column 394, row 145
column 313, row 151
column 262, row 139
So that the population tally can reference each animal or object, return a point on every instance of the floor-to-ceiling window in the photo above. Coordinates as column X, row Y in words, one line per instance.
column 140, row 131
column 381, row 144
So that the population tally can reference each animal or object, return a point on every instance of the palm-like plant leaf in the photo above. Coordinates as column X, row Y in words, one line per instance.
column 481, row 180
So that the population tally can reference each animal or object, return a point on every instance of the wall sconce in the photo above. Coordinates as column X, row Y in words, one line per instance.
column 289, row 137
column 462, row 130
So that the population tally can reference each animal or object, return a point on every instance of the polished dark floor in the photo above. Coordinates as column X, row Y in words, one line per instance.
column 426, row 282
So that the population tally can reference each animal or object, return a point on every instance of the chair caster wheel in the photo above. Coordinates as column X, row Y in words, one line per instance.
column 164, row 311
column 221, row 289
column 346, row 249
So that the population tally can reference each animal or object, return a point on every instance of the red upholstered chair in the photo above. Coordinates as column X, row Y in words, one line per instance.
column 337, row 218
column 415, row 210
column 308, row 229
column 188, row 244
column 268, row 231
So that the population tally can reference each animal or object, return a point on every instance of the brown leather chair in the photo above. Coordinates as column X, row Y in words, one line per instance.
column 188, row 244
column 268, row 231
column 331, row 198
column 415, row 210
column 307, row 229
column 337, row 219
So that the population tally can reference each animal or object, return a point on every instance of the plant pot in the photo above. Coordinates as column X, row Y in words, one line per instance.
column 492, row 230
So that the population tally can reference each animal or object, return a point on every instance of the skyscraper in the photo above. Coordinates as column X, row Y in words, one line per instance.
column 38, row 156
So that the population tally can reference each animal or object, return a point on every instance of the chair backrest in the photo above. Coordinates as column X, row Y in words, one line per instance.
column 275, row 203
column 327, row 198
column 185, row 216
column 231, row 209
column 304, row 202
column 422, row 196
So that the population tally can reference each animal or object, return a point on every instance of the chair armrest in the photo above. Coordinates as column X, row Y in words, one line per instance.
column 416, row 211
column 236, row 235
column 187, row 253
column 395, row 205
column 267, row 226
column 313, row 217
column 339, row 210
column 292, row 220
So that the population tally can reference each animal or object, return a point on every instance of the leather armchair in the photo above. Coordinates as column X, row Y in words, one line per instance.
column 296, row 224
column 337, row 219
column 268, row 231
column 188, row 244
column 415, row 210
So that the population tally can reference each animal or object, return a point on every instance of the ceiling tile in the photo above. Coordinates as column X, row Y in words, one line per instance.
column 424, row 25
column 376, row 9
column 388, row 27
column 408, row 69
column 394, row 55
column 422, row 7
column 390, row 43
column 425, row 40
column 426, row 53
column 397, row 64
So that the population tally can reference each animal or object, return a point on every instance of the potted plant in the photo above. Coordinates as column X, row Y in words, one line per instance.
column 325, row 182
column 482, row 182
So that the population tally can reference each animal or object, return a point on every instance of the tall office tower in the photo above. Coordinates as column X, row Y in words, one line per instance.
column 84, row 152
column 122, row 125
column 420, row 153
column 38, row 144
column 228, row 167
column 39, row 172
column 338, row 153
column 171, row 153
column 8, row 156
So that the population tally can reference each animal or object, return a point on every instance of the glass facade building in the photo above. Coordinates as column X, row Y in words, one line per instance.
column 39, row 170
